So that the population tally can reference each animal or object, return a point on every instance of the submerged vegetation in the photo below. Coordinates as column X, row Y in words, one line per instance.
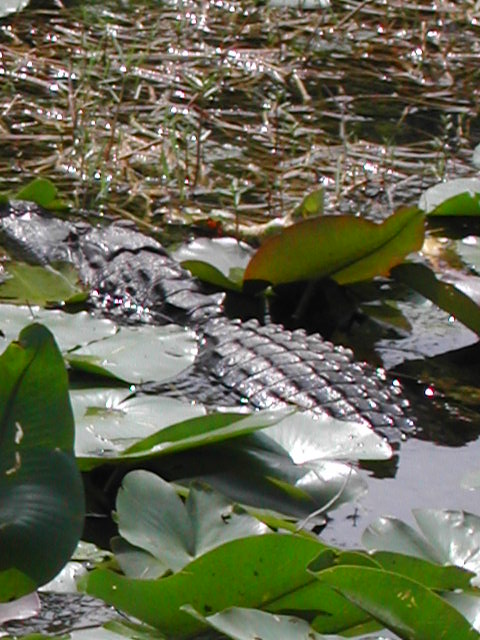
column 219, row 117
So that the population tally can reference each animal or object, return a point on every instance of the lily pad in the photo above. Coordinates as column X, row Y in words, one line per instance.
column 43, row 285
column 152, row 517
column 108, row 421
column 459, row 197
column 403, row 605
column 41, row 491
column 139, row 354
column 251, row 624
column 71, row 330
column 446, row 296
column 308, row 438
column 243, row 572
column 345, row 248
column 257, row 471
column 450, row 537
column 219, row 261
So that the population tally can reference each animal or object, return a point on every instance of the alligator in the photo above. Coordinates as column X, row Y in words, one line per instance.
column 132, row 277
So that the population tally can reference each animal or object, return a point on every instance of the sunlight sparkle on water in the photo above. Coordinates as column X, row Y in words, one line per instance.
column 370, row 167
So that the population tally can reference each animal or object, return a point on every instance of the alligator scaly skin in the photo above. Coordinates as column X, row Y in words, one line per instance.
column 133, row 278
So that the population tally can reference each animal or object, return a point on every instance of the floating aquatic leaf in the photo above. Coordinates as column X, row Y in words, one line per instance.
column 251, row 624
column 422, row 279
column 469, row 251
column 113, row 426
column 308, row 438
column 257, row 471
column 108, row 421
column 219, row 261
column 71, row 330
column 152, row 517
column 403, row 605
column 459, row 197
column 450, row 537
column 41, row 492
column 345, row 248
column 43, row 285
column 214, row 581
column 139, row 354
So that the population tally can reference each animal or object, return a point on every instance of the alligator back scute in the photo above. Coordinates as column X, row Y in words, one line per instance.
column 133, row 278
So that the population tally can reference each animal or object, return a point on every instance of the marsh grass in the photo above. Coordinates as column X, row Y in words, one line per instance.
column 194, row 110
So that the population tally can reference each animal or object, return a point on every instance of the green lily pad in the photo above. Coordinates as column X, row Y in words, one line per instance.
column 152, row 517
column 139, row 354
column 243, row 573
column 41, row 492
column 308, row 438
column 459, row 197
column 219, row 261
column 113, row 426
column 257, row 471
column 71, row 330
column 108, row 421
column 345, row 248
column 469, row 251
column 449, row 537
column 43, row 285
column 403, row 605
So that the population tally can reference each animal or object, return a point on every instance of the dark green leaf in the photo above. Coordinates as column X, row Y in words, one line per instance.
column 41, row 492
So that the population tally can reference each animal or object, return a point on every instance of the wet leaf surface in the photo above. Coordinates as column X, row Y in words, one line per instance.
column 345, row 248
column 31, row 284
column 40, row 486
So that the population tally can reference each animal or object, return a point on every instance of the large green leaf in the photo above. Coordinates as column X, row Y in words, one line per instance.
column 111, row 426
column 41, row 492
column 257, row 471
column 152, row 517
column 250, row 572
column 405, row 606
column 451, row 538
column 345, row 248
